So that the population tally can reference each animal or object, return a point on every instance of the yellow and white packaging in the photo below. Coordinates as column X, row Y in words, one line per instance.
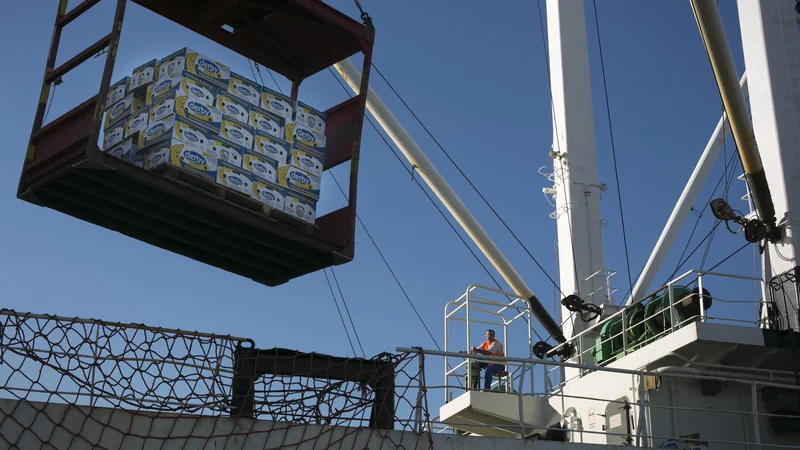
column 136, row 123
column 301, row 133
column 183, row 84
column 174, row 127
column 268, row 193
column 299, row 180
column 114, row 135
column 179, row 154
column 267, row 122
column 234, row 178
column 195, row 63
column 276, row 103
column 117, row 91
column 232, row 108
column 308, row 158
column 128, row 106
column 300, row 206
column 188, row 108
column 226, row 151
column 143, row 76
column 272, row 147
column 237, row 132
column 311, row 118
column 260, row 167
column 244, row 89
column 123, row 149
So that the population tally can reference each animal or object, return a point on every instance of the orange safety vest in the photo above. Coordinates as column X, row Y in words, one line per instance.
column 485, row 347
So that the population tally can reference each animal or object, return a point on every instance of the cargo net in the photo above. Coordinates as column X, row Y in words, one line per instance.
column 75, row 383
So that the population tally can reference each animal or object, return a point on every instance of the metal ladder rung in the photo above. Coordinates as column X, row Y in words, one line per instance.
column 79, row 58
column 75, row 12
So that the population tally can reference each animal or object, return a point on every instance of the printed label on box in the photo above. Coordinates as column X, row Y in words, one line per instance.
column 307, row 158
column 268, row 193
column 311, row 118
column 299, row 180
column 183, row 84
column 234, row 178
column 174, row 127
column 263, row 120
column 303, row 134
column 187, row 108
column 198, row 64
column 132, row 104
column 276, row 103
column 232, row 107
column 245, row 89
column 238, row 133
column 143, row 75
column 114, row 135
column 117, row 91
column 178, row 154
column 300, row 206
column 122, row 150
column 136, row 123
column 226, row 151
column 272, row 147
column 261, row 167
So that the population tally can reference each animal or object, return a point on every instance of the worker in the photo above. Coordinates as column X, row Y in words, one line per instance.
column 492, row 347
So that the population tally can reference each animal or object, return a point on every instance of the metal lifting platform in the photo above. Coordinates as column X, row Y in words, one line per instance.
column 65, row 170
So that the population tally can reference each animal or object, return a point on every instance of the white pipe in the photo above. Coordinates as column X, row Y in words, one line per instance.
column 684, row 205
column 447, row 196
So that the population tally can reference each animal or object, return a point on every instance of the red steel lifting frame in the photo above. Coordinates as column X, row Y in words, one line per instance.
column 65, row 170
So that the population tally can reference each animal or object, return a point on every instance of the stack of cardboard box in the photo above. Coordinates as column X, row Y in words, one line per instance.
column 193, row 113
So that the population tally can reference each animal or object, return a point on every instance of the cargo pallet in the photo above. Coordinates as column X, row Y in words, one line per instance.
column 65, row 170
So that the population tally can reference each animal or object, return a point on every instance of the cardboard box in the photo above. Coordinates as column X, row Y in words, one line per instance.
column 303, row 134
column 122, row 150
column 183, row 84
column 132, row 104
column 143, row 76
column 242, row 88
column 270, row 194
column 136, row 123
column 179, row 154
column 300, row 206
column 311, row 118
column 267, row 122
column 261, row 167
column 299, row 180
column 272, row 147
column 188, row 108
column 234, row 178
column 114, row 135
column 237, row 133
column 226, row 151
column 138, row 160
column 276, row 103
column 197, row 64
column 117, row 91
column 232, row 108
column 174, row 127
column 308, row 158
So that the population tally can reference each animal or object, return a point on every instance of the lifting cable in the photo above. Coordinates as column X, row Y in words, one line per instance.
column 347, row 310
column 335, row 302
column 613, row 147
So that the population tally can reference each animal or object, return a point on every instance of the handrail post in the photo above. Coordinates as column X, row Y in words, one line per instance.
column 700, row 294
column 519, row 401
column 754, row 395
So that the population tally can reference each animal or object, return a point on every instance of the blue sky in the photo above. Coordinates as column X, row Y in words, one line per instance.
column 476, row 76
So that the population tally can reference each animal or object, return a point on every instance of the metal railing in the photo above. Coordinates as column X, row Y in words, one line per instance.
column 640, row 384
column 634, row 333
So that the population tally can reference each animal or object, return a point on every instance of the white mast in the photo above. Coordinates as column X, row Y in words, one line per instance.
column 771, row 47
column 580, row 238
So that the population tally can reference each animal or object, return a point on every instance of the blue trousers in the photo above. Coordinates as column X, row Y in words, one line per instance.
column 489, row 372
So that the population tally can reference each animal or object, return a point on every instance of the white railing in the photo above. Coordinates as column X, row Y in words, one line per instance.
column 624, row 317
column 753, row 380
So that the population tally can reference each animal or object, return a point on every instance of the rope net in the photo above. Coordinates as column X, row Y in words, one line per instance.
column 73, row 383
